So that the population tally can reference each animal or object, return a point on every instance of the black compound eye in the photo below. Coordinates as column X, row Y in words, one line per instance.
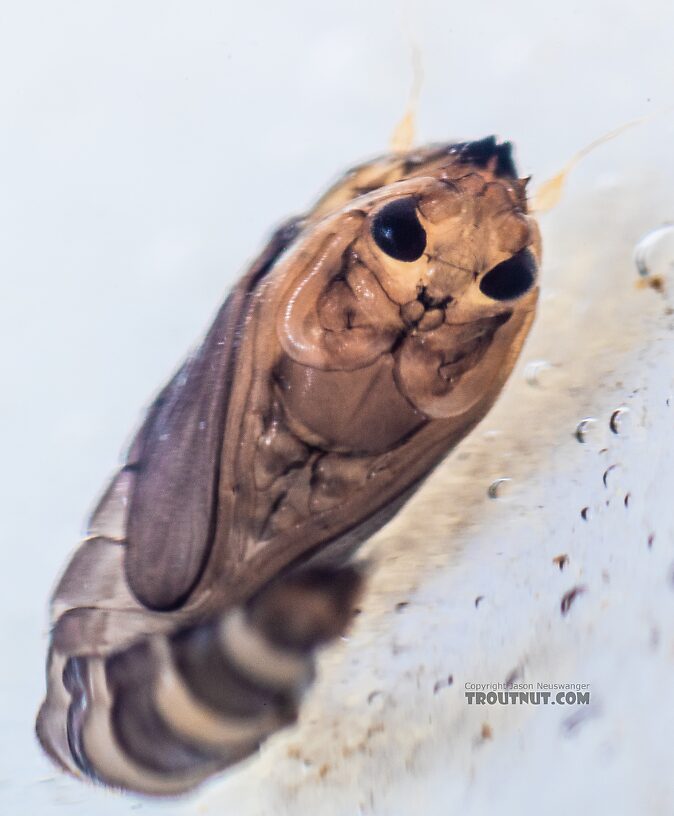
column 510, row 279
column 397, row 231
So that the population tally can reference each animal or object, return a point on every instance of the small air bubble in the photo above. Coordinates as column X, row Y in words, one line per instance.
column 534, row 372
column 654, row 253
column 610, row 475
column 618, row 420
column 499, row 488
column 584, row 428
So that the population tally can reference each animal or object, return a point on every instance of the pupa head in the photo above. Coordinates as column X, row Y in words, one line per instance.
column 430, row 257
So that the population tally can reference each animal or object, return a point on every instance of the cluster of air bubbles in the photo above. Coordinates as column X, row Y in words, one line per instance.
column 536, row 373
column 587, row 427
column 654, row 253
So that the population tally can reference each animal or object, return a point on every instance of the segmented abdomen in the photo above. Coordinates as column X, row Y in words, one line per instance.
column 169, row 710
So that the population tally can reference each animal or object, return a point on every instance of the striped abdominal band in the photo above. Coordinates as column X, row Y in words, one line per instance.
column 165, row 713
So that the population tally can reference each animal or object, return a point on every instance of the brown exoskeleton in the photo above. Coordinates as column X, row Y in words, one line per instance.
column 369, row 337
